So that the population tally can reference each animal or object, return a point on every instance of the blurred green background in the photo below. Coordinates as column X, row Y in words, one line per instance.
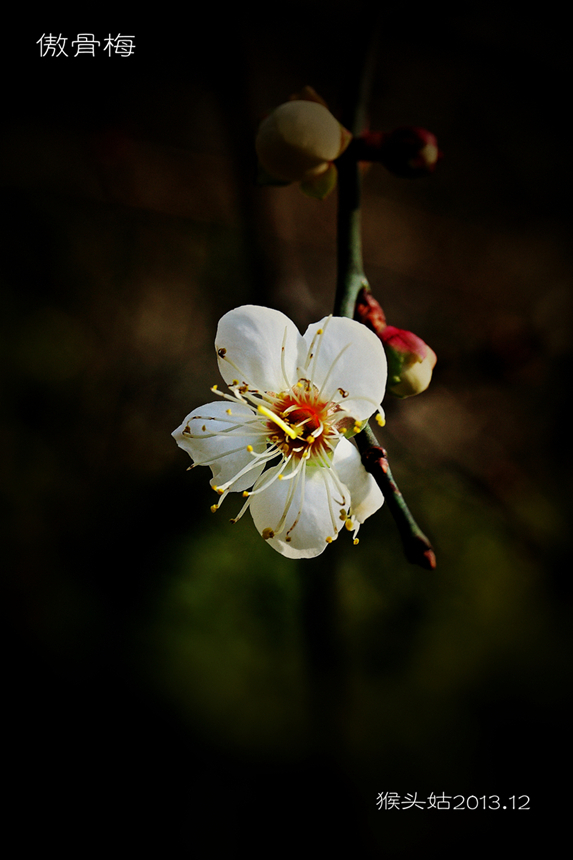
column 170, row 680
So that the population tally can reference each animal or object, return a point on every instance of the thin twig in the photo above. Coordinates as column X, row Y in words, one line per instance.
column 351, row 279
column 417, row 547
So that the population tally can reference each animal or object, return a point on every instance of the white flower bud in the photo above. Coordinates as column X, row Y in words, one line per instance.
column 298, row 141
column 415, row 377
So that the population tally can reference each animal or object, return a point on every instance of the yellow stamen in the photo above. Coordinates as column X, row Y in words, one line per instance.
column 380, row 420
column 268, row 533
column 228, row 411
column 250, row 449
column 329, row 540
column 214, row 508
column 310, row 439
column 279, row 421
column 246, row 494
column 356, row 541
column 348, row 524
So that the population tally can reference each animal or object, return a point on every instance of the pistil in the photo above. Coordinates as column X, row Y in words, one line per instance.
column 278, row 421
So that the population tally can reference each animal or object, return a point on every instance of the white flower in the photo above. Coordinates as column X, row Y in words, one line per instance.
column 279, row 436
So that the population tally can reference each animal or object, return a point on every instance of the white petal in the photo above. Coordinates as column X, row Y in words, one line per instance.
column 229, row 447
column 350, row 357
column 366, row 496
column 316, row 503
column 249, row 344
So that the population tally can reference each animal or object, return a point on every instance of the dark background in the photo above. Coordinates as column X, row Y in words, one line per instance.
column 158, row 689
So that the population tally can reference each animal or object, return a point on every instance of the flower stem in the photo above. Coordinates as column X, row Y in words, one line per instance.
column 350, row 280
column 350, row 267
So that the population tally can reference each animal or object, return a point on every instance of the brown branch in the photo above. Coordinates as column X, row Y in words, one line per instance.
column 417, row 547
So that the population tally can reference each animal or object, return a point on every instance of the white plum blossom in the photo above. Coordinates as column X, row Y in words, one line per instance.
column 280, row 437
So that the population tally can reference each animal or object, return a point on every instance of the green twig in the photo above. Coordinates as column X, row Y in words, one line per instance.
column 350, row 267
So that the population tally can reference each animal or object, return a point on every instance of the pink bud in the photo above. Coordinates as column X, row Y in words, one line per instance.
column 410, row 361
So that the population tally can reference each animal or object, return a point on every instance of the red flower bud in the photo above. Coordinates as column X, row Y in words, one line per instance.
column 410, row 361
column 369, row 312
column 408, row 152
